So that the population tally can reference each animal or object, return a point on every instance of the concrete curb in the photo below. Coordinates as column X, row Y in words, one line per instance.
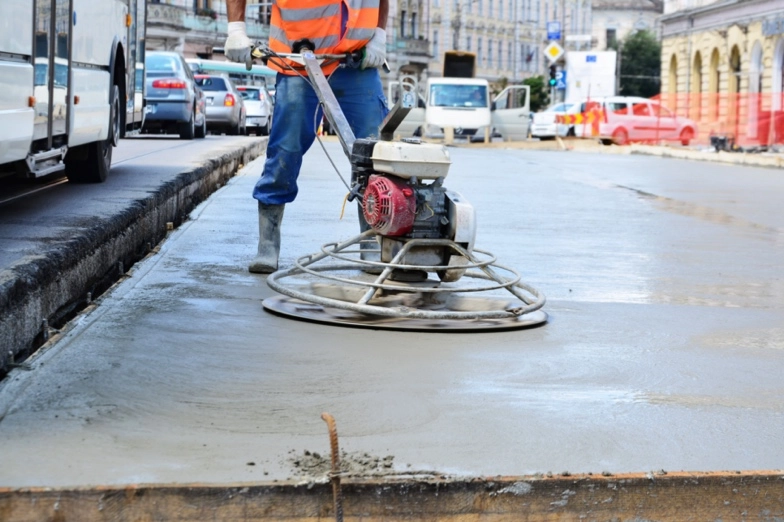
column 659, row 496
column 734, row 158
column 662, row 151
column 41, row 290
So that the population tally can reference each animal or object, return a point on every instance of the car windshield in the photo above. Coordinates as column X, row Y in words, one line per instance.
column 211, row 83
column 156, row 63
column 561, row 107
column 250, row 94
column 445, row 95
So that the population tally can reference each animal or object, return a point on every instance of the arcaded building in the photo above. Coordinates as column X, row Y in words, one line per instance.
column 722, row 65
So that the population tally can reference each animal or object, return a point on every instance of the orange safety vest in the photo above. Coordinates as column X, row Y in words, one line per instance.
column 320, row 22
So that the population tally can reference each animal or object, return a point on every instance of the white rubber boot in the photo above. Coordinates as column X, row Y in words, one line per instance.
column 266, row 261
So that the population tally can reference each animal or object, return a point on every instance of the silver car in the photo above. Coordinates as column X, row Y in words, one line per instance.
column 225, row 107
column 174, row 103
column 258, row 108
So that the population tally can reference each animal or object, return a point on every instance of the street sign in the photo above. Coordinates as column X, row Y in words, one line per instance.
column 560, row 80
column 553, row 51
column 554, row 30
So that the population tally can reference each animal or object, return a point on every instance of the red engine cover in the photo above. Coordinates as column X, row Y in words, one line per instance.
column 389, row 206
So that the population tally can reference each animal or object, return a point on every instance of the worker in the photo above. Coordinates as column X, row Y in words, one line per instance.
column 334, row 26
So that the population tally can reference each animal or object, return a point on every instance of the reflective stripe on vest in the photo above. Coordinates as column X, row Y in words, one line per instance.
column 320, row 22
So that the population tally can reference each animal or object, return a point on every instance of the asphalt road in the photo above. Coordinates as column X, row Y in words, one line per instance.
column 664, row 350
column 33, row 221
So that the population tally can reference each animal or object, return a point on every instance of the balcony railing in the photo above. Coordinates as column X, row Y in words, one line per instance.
column 187, row 20
column 412, row 46
column 164, row 14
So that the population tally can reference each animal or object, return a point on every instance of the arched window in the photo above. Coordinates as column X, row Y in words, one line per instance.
column 733, row 87
column 714, row 77
column 672, row 84
column 755, row 88
column 696, row 87
column 778, row 76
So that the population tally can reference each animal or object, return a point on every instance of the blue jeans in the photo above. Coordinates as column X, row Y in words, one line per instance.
column 294, row 122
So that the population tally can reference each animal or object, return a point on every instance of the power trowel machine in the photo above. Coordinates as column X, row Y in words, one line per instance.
column 415, row 267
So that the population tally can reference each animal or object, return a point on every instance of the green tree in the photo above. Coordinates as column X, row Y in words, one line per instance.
column 640, row 65
column 540, row 98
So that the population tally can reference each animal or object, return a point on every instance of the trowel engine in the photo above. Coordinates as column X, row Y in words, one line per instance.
column 402, row 197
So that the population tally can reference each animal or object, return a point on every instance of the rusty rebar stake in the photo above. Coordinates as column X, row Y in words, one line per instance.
column 337, row 494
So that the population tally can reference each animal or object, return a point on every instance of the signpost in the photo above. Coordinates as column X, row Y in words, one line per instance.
column 554, row 30
column 553, row 51
column 560, row 80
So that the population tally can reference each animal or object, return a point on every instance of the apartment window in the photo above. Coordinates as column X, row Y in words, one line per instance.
column 403, row 24
column 480, row 7
column 500, row 55
column 479, row 57
column 612, row 38
column 524, row 61
column 468, row 43
column 489, row 53
column 500, row 8
column 435, row 44
column 490, row 9
column 414, row 28
column 509, row 56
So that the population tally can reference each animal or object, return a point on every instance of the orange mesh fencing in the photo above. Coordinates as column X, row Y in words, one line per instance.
column 740, row 120
column 745, row 119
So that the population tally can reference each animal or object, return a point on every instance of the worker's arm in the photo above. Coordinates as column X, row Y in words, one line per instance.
column 236, row 10
column 376, row 48
column 383, row 13
column 238, row 45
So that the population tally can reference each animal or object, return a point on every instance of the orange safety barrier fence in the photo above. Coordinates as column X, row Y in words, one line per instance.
column 746, row 119
column 739, row 119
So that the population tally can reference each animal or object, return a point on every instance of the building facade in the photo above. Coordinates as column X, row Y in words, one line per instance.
column 614, row 20
column 195, row 27
column 507, row 36
column 723, row 63
column 408, row 47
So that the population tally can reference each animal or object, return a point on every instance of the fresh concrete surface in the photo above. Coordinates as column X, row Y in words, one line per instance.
column 665, row 347
column 59, row 244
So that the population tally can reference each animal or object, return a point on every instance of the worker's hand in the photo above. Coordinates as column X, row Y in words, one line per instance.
column 238, row 45
column 375, row 50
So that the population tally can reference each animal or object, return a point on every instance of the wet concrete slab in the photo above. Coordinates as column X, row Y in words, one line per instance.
column 664, row 350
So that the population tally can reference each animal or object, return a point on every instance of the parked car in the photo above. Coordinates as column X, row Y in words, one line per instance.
column 258, row 108
column 174, row 102
column 544, row 125
column 225, row 108
column 626, row 119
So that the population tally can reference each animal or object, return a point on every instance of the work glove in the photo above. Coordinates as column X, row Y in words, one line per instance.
column 375, row 50
column 238, row 45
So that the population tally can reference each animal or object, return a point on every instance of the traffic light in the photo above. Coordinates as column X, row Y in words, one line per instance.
column 553, row 70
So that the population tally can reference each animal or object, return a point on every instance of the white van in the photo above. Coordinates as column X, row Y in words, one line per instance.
column 463, row 104
column 626, row 119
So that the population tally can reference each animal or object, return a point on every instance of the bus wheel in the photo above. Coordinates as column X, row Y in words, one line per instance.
column 90, row 163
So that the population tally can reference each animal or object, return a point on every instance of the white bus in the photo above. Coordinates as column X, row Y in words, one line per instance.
column 67, row 86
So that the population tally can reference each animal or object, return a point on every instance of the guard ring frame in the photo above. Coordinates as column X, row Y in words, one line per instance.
column 304, row 265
